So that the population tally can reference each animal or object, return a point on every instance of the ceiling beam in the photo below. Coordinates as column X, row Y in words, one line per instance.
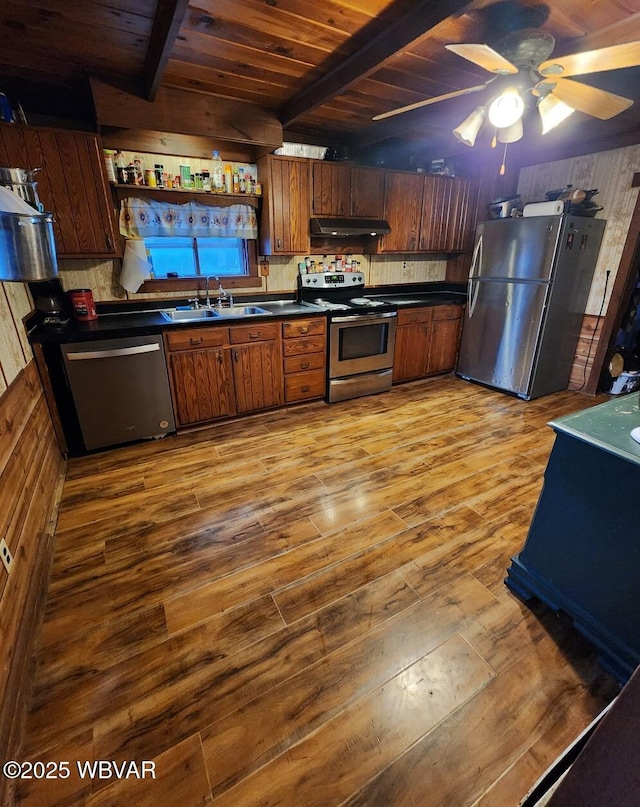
column 166, row 24
column 422, row 17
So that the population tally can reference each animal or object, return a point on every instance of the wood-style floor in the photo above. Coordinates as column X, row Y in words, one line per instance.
column 307, row 608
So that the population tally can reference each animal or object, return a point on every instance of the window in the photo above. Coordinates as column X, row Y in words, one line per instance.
column 181, row 256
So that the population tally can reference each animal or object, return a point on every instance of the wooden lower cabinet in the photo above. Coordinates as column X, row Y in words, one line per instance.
column 304, row 348
column 426, row 341
column 445, row 338
column 202, row 385
column 257, row 376
column 217, row 372
column 413, row 338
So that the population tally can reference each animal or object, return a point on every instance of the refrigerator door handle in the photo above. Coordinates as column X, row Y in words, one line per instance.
column 475, row 261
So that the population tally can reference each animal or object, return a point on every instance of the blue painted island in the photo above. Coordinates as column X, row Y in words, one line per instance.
column 582, row 552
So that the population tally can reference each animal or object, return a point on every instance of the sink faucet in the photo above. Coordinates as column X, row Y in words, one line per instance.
column 225, row 298
column 207, row 302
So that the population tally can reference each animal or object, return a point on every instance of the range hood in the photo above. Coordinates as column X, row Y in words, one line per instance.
column 343, row 227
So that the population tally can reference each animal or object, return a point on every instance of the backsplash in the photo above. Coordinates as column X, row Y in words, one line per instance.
column 379, row 270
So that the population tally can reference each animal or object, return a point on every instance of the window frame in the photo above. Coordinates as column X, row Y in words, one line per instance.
column 250, row 280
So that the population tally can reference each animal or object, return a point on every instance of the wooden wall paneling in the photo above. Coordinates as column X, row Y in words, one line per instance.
column 12, row 358
column 20, row 305
column 586, row 350
column 31, row 473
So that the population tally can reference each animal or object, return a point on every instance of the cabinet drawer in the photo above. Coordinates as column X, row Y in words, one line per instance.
column 260, row 332
column 412, row 316
column 196, row 337
column 307, row 344
column 309, row 361
column 304, row 385
column 303, row 327
column 447, row 312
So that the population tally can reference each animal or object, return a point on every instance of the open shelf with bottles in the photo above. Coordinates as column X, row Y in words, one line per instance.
column 181, row 196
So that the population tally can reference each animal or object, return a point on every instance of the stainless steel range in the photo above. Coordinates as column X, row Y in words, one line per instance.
column 362, row 333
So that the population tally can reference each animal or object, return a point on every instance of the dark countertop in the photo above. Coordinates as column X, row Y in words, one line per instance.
column 606, row 426
column 144, row 318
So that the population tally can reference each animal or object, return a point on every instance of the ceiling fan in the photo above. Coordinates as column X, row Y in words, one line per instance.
column 526, row 74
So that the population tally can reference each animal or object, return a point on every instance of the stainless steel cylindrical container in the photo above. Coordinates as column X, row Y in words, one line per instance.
column 27, row 247
column 22, row 182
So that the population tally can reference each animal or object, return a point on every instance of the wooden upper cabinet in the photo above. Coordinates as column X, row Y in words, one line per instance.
column 367, row 192
column 447, row 213
column 347, row 190
column 284, row 224
column 331, row 194
column 72, row 185
column 402, row 209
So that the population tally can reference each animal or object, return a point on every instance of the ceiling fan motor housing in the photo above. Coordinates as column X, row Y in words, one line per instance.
column 526, row 49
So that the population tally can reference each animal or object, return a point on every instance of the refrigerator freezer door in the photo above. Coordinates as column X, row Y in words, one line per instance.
column 500, row 337
column 518, row 249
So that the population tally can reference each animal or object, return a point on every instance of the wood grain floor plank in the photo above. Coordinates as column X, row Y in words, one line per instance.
column 160, row 666
column 367, row 735
column 179, row 777
column 476, row 743
column 248, row 738
column 317, row 589
column 381, row 529
column 255, row 581
column 201, row 696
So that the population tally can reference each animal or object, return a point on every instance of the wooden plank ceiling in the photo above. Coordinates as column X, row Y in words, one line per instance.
column 325, row 67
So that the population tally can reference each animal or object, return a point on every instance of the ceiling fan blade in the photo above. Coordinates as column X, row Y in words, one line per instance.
column 484, row 56
column 428, row 101
column 593, row 61
column 590, row 100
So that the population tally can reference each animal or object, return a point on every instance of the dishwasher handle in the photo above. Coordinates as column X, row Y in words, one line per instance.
column 108, row 354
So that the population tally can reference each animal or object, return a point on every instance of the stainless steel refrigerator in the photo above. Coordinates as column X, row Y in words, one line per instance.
column 528, row 288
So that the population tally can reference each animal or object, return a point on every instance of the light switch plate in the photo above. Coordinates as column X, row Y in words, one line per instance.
column 5, row 554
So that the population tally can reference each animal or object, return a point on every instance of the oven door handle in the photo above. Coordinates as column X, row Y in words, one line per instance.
column 365, row 318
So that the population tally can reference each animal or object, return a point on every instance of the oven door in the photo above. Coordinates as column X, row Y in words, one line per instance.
column 361, row 343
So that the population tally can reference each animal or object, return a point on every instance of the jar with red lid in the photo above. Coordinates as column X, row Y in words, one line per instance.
column 82, row 304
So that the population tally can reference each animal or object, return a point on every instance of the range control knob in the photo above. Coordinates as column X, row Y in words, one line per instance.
column 315, row 280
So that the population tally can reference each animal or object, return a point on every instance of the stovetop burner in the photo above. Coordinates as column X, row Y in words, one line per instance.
column 334, row 290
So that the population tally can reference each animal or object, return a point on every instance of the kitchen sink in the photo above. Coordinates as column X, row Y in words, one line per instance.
column 241, row 311
column 191, row 314
column 187, row 315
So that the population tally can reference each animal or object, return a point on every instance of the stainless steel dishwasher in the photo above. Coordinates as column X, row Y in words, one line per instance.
column 120, row 389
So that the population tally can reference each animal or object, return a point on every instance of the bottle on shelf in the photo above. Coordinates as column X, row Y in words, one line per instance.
column 206, row 181
column 228, row 178
column 218, row 176
column 242, row 185
column 110, row 165
column 236, row 182
column 121, row 167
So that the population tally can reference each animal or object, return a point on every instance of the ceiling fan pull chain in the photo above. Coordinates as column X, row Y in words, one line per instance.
column 503, row 167
column 494, row 141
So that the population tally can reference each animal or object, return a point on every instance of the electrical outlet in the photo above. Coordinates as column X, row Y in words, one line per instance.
column 7, row 557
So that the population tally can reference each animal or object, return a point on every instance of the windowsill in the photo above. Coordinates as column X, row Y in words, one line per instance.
column 193, row 283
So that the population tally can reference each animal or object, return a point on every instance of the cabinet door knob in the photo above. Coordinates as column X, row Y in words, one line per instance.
column 235, row 356
column 219, row 357
column 109, row 243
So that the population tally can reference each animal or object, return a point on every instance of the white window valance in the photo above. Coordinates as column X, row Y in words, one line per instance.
column 142, row 218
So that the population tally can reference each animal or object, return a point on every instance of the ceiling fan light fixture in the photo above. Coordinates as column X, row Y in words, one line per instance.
column 506, row 109
column 552, row 112
column 468, row 130
column 512, row 133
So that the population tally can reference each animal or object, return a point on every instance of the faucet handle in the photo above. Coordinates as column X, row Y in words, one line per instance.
column 194, row 302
